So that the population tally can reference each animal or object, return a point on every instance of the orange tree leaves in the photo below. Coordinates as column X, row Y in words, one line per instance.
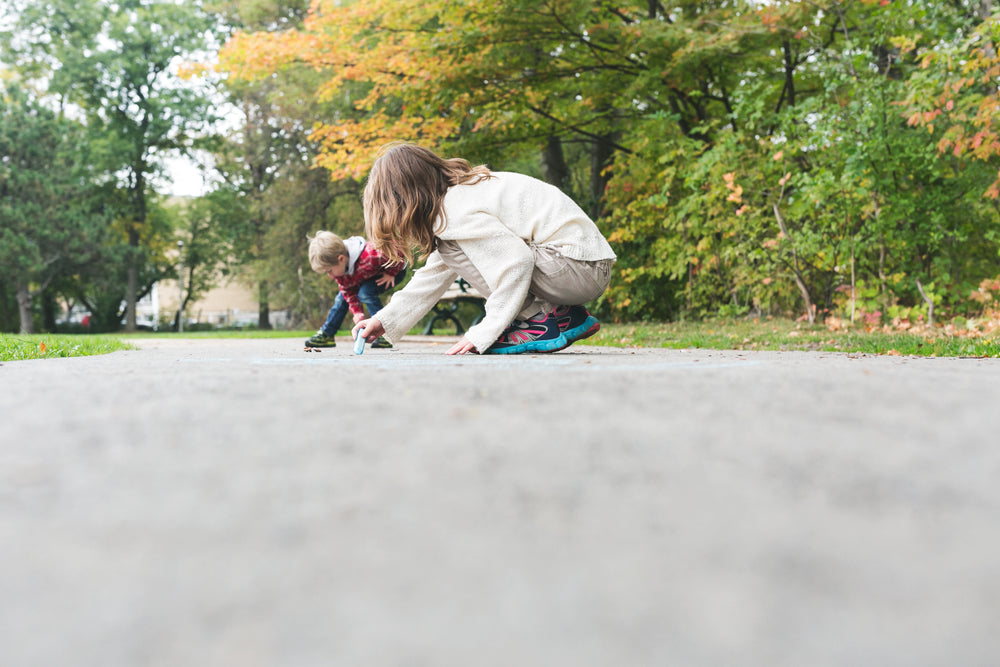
column 436, row 71
column 384, row 48
column 957, row 99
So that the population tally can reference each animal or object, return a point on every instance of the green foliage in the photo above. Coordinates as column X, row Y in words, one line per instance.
column 116, row 65
column 744, row 158
column 810, row 183
column 274, row 196
column 49, row 229
column 207, row 229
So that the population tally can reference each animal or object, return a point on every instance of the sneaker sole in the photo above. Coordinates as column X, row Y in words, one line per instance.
column 311, row 344
column 589, row 327
column 551, row 345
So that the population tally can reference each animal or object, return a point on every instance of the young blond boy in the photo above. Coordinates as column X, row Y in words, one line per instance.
column 362, row 273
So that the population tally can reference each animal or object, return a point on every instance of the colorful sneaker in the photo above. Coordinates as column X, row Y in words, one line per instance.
column 381, row 344
column 575, row 323
column 320, row 339
column 540, row 334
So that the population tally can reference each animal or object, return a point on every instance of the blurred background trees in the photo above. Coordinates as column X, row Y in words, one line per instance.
column 809, row 159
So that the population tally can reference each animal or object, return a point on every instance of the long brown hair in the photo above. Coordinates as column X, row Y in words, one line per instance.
column 404, row 195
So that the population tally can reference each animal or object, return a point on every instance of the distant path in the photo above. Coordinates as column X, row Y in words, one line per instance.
column 245, row 503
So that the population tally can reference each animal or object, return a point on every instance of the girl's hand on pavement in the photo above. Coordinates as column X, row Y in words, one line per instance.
column 463, row 346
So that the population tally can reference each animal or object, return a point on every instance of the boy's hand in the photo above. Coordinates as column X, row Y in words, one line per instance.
column 358, row 317
column 385, row 280
column 463, row 346
column 371, row 329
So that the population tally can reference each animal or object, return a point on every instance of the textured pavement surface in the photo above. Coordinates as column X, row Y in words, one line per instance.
column 245, row 503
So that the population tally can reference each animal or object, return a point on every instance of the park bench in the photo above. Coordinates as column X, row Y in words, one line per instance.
column 446, row 309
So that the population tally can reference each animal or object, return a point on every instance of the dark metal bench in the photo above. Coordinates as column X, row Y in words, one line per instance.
column 447, row 307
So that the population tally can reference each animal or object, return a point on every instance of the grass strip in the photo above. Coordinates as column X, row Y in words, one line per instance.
column 787, row 335
column 48, row 346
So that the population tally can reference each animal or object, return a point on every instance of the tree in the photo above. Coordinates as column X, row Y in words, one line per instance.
column 267, row 163
column 100, row 278
column 46, row 230
column 742, row 156
column 204, row 248
column 117, row 63
column 810, row 187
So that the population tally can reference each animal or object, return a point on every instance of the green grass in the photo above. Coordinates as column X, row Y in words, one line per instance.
column 790, row 335
column 47, row 346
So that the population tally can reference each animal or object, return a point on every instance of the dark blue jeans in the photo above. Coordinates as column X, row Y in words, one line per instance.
column 368, row 295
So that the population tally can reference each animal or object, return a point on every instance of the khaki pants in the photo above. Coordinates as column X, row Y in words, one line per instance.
column 556, row 280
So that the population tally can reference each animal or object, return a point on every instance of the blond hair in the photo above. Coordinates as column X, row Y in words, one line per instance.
column 325, row 250
column 404, row 194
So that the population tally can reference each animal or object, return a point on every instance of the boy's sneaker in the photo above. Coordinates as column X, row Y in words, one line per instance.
column 540, row 334
column 320, row 339
column 381, row 343
column 575, row 323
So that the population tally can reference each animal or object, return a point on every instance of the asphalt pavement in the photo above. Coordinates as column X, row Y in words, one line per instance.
column 243, row 502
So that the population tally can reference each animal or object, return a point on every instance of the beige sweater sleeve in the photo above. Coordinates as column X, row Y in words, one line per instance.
column 409, row 304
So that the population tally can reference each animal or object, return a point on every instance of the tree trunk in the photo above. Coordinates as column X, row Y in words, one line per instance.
column 800, row 281
column 600, row 157
column 554, row 168
column 8, row 303
column 24, row 308
column 263, row 308
column 48, row 304
column 854, row 290
column 132, row 282
column 883, row 280
column 140, row 210
column 790, row 65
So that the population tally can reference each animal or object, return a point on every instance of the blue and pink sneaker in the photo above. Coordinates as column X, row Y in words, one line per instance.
column 575, row 323
column 539, row 334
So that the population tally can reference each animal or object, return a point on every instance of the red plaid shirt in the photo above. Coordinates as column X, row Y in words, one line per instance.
column 371, row 264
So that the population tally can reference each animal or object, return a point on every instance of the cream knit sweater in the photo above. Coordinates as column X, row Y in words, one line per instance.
column 494, row 222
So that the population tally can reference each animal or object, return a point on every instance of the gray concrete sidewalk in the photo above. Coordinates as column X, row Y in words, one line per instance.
column 245, row 503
